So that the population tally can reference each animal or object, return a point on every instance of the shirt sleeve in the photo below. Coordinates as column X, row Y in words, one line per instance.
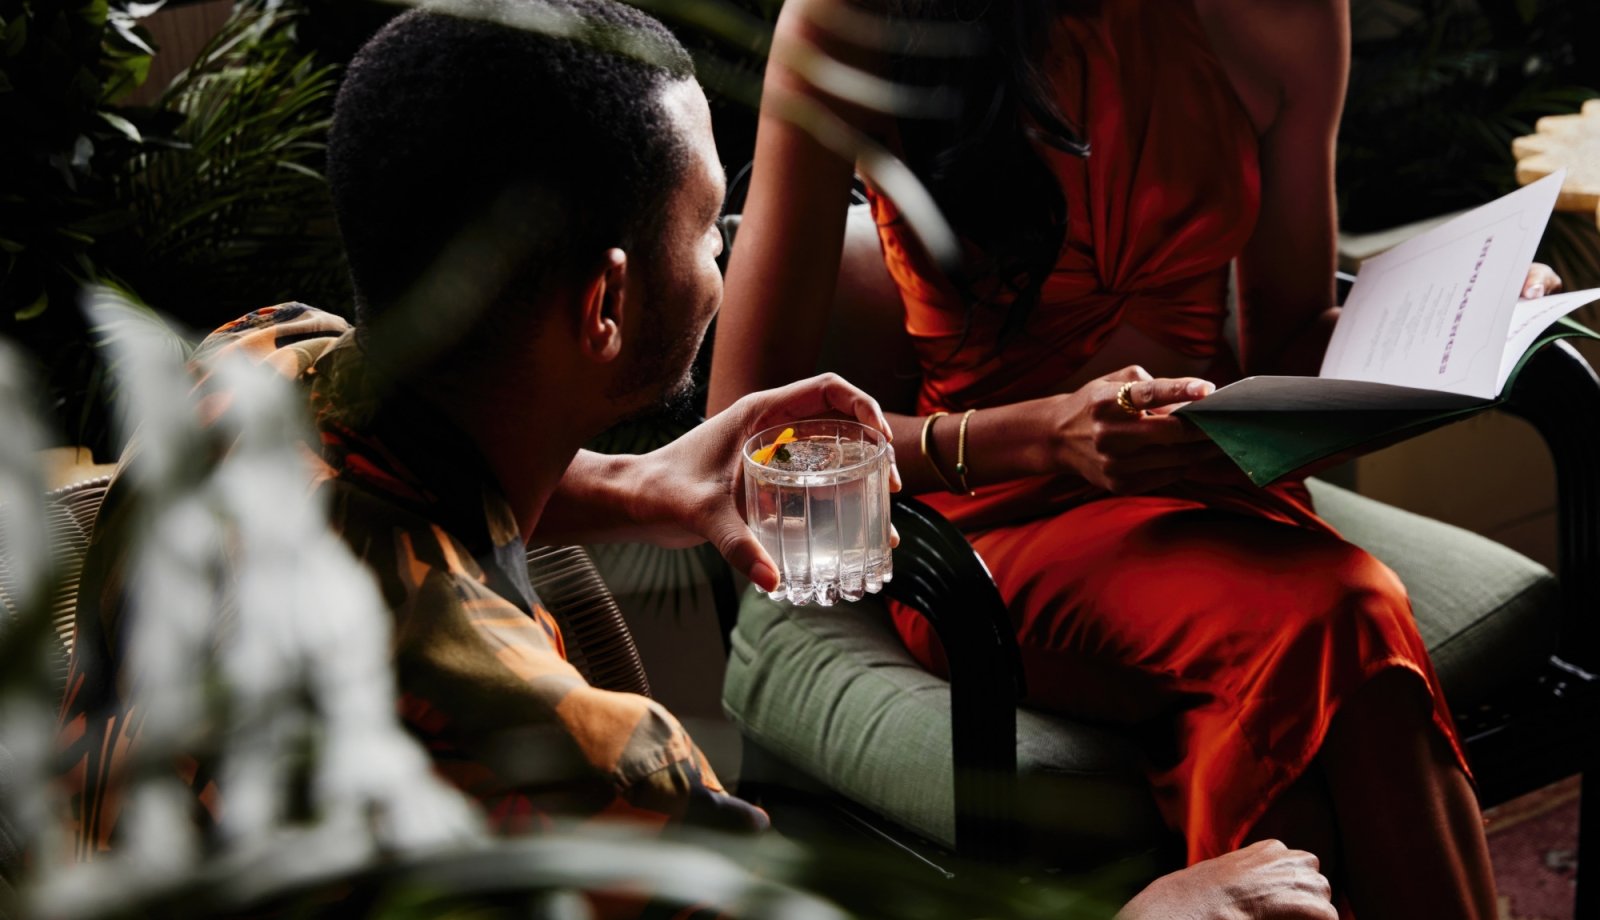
column 509, row 721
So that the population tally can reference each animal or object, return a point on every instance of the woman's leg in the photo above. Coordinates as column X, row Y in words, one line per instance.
column 1224, row 638
column 1303, row 818
column 1388, row 811
column 1414, row 843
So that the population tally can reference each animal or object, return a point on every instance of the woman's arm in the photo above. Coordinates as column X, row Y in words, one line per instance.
column 780, row 278
column 1301, row 51
column 781, row 282
column 1286, row 295
column 867, row 343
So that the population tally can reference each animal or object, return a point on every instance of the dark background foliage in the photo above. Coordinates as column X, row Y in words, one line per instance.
column 205, row 203
column 1438, row 90
column 209, row 201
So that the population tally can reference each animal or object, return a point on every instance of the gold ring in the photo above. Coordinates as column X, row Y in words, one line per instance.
column 1125, row 401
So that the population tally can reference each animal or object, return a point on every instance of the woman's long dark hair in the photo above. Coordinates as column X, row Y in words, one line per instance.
column 981, row 164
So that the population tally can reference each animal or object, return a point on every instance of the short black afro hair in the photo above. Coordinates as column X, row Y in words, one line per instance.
column 526, row 135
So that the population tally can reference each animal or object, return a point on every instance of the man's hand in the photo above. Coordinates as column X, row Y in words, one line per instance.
column 1263, row 881
column 695, row 485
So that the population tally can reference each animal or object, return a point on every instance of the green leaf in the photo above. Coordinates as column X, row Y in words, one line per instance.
column 126, row 127
column 95, row 11
column 5, row 82
column 145, row 10
column 11, row 246
column 129, row 33
column 128, row 76
column 34, row 309
column 300, row 168
column 15, row 36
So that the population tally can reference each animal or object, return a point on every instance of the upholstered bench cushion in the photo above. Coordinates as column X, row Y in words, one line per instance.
column 832, row 691
column 1487, row 613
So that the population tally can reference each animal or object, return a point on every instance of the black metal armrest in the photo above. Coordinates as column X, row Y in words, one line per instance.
column 1559, row 394
column 937, row 573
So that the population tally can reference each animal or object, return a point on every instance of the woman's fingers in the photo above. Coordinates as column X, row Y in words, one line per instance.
column 1130, row 435
column 1151, row 394
column 1147, row 394
column 1541, row 280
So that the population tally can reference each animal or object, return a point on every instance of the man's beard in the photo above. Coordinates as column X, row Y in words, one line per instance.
column 669, row 370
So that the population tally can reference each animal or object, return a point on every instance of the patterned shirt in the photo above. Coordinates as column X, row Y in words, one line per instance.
column 484, row 682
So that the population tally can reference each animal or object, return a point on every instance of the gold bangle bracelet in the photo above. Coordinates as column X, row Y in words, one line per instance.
column 961, row 453
column 927, row 427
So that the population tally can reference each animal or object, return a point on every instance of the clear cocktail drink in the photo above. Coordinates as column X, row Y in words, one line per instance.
column 817, row 496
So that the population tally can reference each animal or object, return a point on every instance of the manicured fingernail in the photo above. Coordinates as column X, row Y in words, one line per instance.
column 1534, row 290
column 1197, row 389
column 765, row 576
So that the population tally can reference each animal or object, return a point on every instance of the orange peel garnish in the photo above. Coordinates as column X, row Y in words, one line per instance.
column 764, row 455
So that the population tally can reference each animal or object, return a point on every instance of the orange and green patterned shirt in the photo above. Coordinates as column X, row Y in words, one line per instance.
column 484, row 682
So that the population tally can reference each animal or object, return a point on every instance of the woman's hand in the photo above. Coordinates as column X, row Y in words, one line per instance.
column 693, row 488
column 1541, row 280
column 1125, row 453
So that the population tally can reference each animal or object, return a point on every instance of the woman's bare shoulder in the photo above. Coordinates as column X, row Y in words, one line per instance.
column 1281, row 53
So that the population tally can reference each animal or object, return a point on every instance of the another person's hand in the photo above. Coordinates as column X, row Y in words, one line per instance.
column 696, row 483
column 1263, row 881
column 1127, row 453
column 1541, row 280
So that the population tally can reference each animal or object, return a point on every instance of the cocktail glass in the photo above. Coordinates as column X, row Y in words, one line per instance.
column 820, row 506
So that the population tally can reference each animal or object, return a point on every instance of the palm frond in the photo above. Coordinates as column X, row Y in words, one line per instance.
column 235, row 207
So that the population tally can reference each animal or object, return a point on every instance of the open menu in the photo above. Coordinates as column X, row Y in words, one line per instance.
column 1432, row 330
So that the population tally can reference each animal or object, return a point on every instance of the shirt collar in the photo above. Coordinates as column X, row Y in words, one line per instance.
column 403, row 447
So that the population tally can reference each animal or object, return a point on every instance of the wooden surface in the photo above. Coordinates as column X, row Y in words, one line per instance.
column 178, row 33
column 1570, row 141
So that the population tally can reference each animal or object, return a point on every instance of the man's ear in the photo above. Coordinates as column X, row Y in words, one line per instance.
column 603, row 300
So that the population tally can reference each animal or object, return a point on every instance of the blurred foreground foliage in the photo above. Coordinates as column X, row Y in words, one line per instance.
column 264, row 650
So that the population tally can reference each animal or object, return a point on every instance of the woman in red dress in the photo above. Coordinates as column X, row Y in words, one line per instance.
column 1116, row 158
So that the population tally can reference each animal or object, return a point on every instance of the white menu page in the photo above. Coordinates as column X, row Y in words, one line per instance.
column 1434, row 323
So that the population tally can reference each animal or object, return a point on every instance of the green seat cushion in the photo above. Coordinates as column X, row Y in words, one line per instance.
column 1487, row 613
column 833, row 692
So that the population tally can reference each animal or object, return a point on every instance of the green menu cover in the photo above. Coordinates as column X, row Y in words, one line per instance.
column 1270, row 445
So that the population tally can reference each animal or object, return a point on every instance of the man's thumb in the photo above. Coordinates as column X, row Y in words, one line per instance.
column 744, row 552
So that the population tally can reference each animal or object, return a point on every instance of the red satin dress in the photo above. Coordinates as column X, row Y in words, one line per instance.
column 1226, row 623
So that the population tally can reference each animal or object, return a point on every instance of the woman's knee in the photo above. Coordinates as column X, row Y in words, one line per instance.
column 1353, row 590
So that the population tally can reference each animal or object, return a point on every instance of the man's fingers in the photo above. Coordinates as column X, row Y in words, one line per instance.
column 821, row 395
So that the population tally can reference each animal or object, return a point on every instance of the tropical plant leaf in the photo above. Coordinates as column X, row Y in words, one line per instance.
column 1464, row 79
column 127, row 128
column 234, row 207
column 33, row 310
